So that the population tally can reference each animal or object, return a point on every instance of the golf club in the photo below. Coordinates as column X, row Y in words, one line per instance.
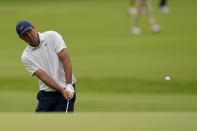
column 67, row 107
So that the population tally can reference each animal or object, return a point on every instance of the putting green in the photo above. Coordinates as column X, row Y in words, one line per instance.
column 151, row 121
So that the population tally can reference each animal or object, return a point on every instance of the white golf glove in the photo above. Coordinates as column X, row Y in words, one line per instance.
column 70, row 89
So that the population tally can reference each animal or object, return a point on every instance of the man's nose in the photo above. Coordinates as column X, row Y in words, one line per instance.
column 29, row 34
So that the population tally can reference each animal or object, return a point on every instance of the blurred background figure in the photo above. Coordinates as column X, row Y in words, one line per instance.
column 132, row 9
column 147, row 5
column 163, row 7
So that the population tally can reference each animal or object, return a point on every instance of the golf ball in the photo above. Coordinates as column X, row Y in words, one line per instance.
column 167, row 78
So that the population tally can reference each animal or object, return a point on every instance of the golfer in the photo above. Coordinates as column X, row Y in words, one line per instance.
column 47, row 58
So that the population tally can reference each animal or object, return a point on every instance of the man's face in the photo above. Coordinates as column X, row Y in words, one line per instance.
column 30, row 36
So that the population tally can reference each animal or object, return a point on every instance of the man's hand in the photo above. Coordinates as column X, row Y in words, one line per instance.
column 52, row 84
column 70, row 90
column 66, row 94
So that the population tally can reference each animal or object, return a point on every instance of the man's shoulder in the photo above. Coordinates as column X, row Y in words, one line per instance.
column 50, row 34
column 26, row 52
column 24, row 55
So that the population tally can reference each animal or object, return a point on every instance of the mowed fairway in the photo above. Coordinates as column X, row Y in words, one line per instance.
column 120, row 76
column 99, row 102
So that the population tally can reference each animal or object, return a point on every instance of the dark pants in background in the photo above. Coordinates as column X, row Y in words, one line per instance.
column 54, row 102
column 163, row 2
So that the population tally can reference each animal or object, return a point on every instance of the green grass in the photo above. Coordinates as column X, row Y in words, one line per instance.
column 144, row 121
column 120, row 76
column 107, row 59
column 19, row 101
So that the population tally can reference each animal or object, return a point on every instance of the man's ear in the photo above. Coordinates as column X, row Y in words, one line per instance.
column 33, row 28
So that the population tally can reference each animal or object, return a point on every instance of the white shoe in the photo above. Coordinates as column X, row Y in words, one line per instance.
column 164, row 9
column 135, row 30
column 156, row 28
column 132, row 10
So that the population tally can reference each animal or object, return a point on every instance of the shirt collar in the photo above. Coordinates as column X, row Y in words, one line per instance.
column 41, row 37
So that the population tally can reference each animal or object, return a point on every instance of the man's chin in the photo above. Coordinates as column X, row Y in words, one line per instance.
column 31, row 44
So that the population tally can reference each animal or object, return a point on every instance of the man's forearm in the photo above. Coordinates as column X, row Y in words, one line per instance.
column 52, row 84
column 47, row 80
column 68, row 71
column 64, row 57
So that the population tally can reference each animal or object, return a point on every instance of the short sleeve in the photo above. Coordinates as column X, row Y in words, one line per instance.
column 32, row 68
column 59, row 43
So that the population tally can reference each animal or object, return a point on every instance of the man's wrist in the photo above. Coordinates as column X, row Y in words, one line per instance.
column 70, row 88
column 61, row 90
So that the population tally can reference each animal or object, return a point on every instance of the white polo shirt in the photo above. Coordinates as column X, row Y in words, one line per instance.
column 45, row 57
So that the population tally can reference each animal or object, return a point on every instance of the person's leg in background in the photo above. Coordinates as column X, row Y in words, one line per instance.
column 146, row 4
column 163, row 7
column 135, row 29
column 154, row 26
column 163, row 2
column 132, row 8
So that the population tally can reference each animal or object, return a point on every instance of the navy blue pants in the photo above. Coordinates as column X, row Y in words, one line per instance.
column 54, row 102
column 163, row 2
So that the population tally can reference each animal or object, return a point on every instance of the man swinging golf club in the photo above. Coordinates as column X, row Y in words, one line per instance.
column 47, row 58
